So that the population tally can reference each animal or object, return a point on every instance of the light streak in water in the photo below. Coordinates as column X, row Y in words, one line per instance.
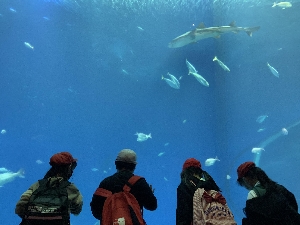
column 271, row 139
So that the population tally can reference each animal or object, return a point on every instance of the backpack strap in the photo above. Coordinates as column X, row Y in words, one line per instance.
column 106, row 193
column 103, row 192
column 131, row 182
column 45, row 182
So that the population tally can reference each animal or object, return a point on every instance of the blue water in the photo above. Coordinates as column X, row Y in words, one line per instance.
column 94, row 79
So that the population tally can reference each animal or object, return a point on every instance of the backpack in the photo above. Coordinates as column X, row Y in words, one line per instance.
column 210, row 208
column 48, row 205
column 122, row 207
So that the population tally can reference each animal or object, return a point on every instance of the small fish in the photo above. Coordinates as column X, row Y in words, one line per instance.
column 125, row 72
column 161, row 153
column 173, row 82
column 200, row 79
column 261, row 118
column 184, row 121
column 3, row 131
column 174, row 79
column 39, row 161
column 28, row 45
column 190, row 67
column 12, row 10
column 70, row 89
column 140, row 28
column 273, row 70
column 104, row 171
column 166, row 144
column 261, row 130
column 228, row 177
column 46, row 18
column 221, row 64
column 94, row 169
column 211, row 161
column 10, row 176
column 282, row 5
column 257, row 150
column 142, row 137
column 165, row 179
column 284, row 131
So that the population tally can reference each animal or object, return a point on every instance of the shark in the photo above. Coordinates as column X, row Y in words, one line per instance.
column 202, row 32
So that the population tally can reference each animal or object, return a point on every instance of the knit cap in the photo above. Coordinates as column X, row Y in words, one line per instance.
column 127, row 156
column 62, row 158
column 191, row 162
column 244, row 168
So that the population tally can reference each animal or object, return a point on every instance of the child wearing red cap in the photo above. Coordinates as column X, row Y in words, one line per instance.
column 267, row 202
column 192, row 177
column 53, row 198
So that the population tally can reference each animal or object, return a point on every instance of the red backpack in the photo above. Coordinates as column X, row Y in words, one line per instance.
column 122, row 207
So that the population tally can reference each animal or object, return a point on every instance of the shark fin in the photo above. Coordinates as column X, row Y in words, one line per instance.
column 249, row 33
column 232, row 24
column 201, row 26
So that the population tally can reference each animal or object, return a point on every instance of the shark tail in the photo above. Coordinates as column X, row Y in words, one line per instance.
column 214, row 59
column 274, row 4
column 250, row 30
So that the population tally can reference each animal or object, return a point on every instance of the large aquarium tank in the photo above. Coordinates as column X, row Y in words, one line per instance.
column 209, row 79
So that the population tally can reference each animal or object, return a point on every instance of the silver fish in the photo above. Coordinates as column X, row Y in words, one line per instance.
column 173, row 82
column 161, row 153
column 261, row 118
column 257, row 150
column 221, row 64
column 191, row 68
column 202, row 32
column 273, row 70
column 142, row 137
column 211, row 161
column 200, row 79
column 28, row 45
column 174, row 79
column 10, row 176
column 261, row 130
